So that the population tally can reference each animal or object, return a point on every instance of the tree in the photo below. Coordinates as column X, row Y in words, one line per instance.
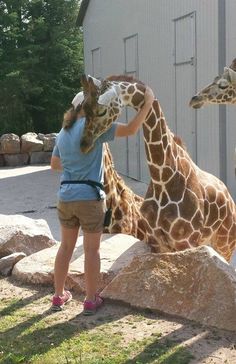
column 41, row 61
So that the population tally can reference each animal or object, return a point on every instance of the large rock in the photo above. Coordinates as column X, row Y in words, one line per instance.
column 31, row 143
column 9, row 144
column 14, row 160
column 40, row 157
column 2, row 161
column 116, row 252
column 22, row 234
column 48, row 141
column 196, row 284
column 8, row 262
column 48, row 144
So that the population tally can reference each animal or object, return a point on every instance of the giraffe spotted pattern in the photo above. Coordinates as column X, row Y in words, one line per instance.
column 126, row 215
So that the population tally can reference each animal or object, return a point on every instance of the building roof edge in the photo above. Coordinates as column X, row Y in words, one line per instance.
column 82, row 11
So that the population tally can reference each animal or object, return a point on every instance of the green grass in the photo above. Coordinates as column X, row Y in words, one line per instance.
column 28, row 337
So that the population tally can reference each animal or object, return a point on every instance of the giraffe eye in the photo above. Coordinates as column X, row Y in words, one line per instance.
column 223, row 86
column 102, row 113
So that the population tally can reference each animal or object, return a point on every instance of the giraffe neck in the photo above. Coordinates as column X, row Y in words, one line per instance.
column 160, row 144
column 124, row 203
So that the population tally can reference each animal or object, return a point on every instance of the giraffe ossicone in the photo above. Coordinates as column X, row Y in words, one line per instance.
column 221, row 91
column 184, row 206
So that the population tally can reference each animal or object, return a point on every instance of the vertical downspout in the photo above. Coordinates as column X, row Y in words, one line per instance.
column 222, row 108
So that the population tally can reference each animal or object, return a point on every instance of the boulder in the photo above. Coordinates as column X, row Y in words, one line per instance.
column 48, row 143
column 41, row 136
column 9, row 144
column 14, row 160
column 22, row 234
column 51, row 135
column 31, row 143
column 2, row 161
column 8, row 262
column 40, row 157
column 116, row 252
column 197, row 284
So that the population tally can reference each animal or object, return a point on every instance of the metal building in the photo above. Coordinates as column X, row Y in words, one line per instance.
column 176, row 47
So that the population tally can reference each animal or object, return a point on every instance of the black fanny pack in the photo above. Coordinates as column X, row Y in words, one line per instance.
column 89, row 182
column 95, row 185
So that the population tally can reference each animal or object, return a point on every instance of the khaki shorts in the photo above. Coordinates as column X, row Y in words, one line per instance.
column 89, row 215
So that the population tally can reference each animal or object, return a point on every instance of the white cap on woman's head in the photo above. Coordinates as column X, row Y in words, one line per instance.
column 78, row 99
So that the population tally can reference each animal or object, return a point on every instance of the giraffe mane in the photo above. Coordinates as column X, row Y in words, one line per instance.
column 124, row 78
column 131, row 79
column 180, row 142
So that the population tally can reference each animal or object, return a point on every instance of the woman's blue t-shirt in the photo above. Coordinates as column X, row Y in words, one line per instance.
column 79, row 166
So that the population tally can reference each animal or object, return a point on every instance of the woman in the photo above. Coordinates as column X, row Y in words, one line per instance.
column 78, row 205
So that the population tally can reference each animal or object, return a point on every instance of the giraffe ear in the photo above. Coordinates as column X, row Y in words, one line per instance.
column 232, row 75
column 96, row 81
column 78, row 99
column 106, row 98
column 85, row 85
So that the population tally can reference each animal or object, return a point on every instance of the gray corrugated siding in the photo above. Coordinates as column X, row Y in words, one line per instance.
column 231, row 109
column 107, row 23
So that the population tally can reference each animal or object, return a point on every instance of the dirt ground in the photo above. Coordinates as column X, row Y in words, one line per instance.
column 207, row 345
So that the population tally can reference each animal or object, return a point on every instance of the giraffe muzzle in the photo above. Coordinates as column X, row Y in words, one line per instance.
column 196, row 102
column 85, row 145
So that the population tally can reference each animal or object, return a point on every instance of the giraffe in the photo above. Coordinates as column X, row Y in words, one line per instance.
column 221, row 91
column 126, row 215
column 184, row 206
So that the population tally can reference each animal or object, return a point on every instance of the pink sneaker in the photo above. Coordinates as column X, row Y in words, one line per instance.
column 59, row 301
column 90, row 307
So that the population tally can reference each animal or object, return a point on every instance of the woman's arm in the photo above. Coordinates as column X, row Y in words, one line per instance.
column 56, row 163
column 134, row 124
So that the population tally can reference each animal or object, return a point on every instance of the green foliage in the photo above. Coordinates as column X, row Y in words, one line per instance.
column 41, row 61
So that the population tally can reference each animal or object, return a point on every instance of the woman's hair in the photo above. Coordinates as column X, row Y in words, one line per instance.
column 70, row 117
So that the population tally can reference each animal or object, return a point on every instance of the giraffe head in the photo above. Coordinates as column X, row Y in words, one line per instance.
column 102, row 105
column 221, row 91
column 104, row 102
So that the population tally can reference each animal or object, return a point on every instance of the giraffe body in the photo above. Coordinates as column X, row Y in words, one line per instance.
column 184, row 207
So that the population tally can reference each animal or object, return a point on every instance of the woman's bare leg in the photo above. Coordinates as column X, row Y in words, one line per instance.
column 92, row 263
column 68, row 240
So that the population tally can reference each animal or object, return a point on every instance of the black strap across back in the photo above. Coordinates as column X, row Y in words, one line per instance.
column 89, row 182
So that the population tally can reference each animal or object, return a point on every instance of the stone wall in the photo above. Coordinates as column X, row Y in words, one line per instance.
column 30, row 148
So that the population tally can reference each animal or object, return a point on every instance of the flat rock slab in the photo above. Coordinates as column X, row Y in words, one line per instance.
column 14, row 160
column 40, row 157
column 197, row 284
column 117, row 251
